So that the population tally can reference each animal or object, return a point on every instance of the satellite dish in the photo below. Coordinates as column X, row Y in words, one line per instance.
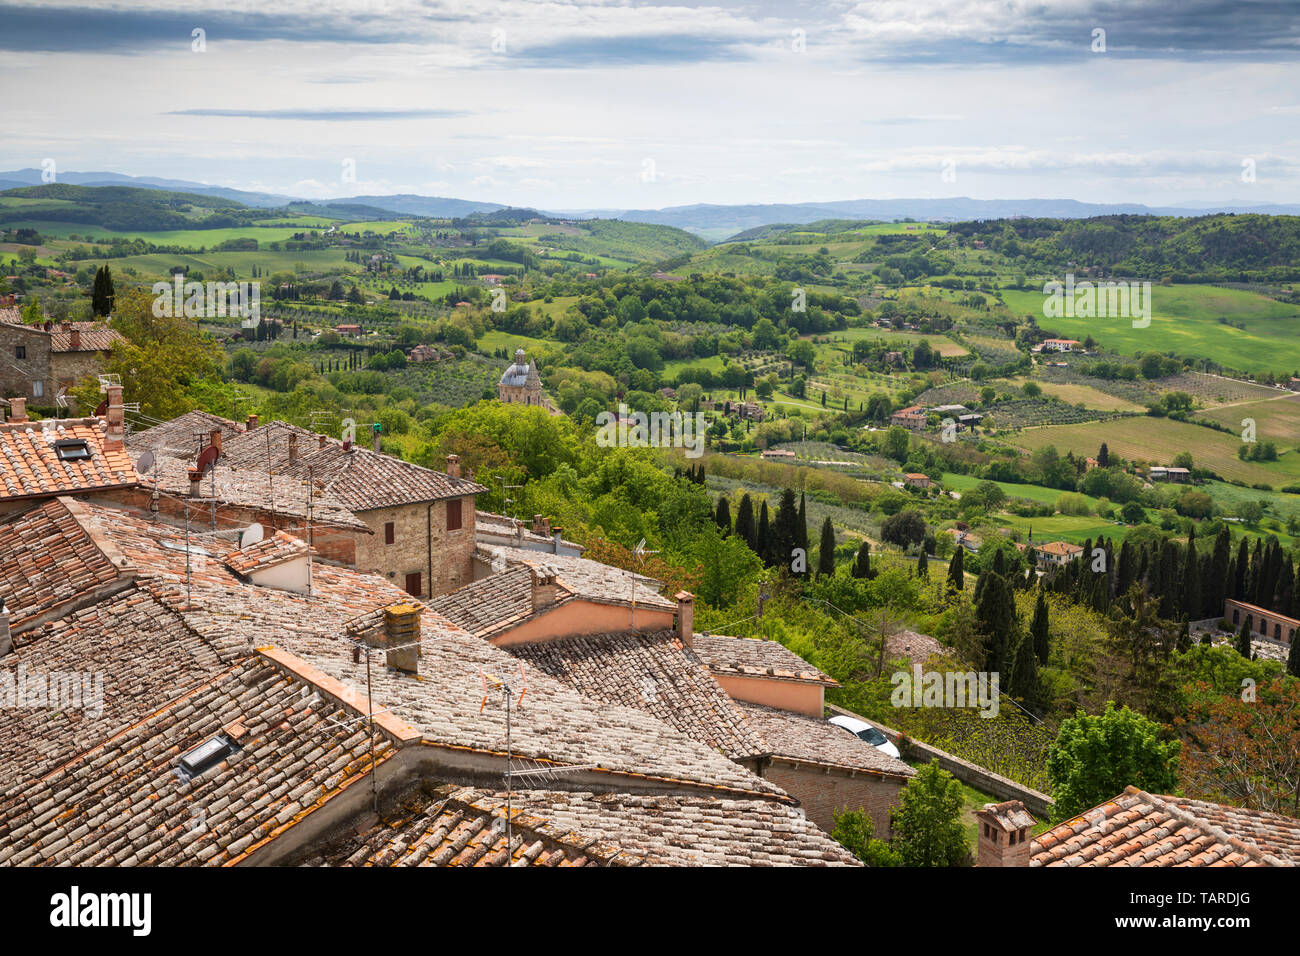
column 145, row 464
column 251, row 535
column 207, row 459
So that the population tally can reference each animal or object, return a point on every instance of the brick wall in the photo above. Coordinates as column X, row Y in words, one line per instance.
column 823, row 791
column 421, row 545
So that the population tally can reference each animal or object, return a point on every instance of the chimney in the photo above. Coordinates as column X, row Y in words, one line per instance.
column 1004, row 836
column 116, row 433
column 196, row 483
column 6, row 639
column 541, row 525
column 402, row 627
column 18, row 409
column 323, row 440
column 453, row 466
column 377, row 438
column 252, row 422
column 685, row 617
column 545, row 592
column 74, row 337
column 293, row 447
column 557, row 539
column 214, row 439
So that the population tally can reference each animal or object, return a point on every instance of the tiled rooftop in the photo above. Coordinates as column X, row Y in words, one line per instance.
column 651, row 672
column 751, row 657
column 584, row 578
column 274, row 549
column 465, row 827
column 816, row 740
column 48, row 561
column 93, row 337
column 180, row 437
column 493, row 604
column 1142, row 829
column 30, row 466
column 123, row 802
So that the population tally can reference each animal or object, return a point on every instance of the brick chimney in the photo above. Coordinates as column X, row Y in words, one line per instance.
column 545, row 591
column 323, row 441
column 214, row 439
column 74, row 337
column 252, row 422
column 685, row 617
column 116, row 419
column 1004, row 837
column 453, row 466
column 402, row 627
column 18, row 409
column 196, row 483
column 377, row 442
column 293, row 447
column 541, row 525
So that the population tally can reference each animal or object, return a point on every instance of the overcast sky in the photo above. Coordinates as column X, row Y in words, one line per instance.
column 585, row 104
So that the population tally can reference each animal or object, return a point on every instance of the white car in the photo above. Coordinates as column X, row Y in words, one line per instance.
column 865, row 732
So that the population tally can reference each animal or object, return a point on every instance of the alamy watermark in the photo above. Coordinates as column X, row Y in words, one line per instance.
column 626, row 429
column 57, row 690
column 956, row 689
column 1098, row 300
column 209, row 300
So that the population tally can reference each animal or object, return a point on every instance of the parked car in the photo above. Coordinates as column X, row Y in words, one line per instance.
column 867, row 733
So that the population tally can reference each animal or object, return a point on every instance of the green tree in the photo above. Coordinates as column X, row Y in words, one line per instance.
column 722, row 516
column 826, row 550
column 855, row 832
column 1038, row 629
column 1243, row 639
column 927, row 824
column 956, row 573
column 862, row 563
column 922, row 567
column 102, row 294
column 745, row 529
column 1095, row 757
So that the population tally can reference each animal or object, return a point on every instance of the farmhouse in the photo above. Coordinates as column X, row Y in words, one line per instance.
column 348, row 329
column 912, row 417
column 1060, row 345
column 1267, row 624
column 778, row 454
column 1057, row 553
column 1159, row 473
column 916, row 480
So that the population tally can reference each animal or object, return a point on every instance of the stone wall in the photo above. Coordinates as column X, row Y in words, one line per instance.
column 421, row 545
column 17, row 375
column 822, row 792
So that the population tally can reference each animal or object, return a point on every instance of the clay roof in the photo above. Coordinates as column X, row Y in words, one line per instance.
column 1141, row 829
column 31, row 468
column 652, row 672
column 267, row 446
column 179, row 437
column 1059, row 547
column 465, row 827
column 365, row 480
column 48, row 561
column 487, row 523
column 123, row 802
column 816, row 740
column 751, row 657
column 493, row 604
column 584, row 578
column 267, row 553
column 1010, row 815
column 93, row 337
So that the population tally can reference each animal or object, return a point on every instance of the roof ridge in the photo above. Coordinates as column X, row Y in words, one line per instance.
column 1249, row 847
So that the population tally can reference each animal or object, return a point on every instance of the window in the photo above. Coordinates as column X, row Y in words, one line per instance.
column 388, row 532
column 414, row 584
column 1236, row 616
column 38, row 389
column 206, row 756
column 453, row 515
column 71, row 449
column 20, row 351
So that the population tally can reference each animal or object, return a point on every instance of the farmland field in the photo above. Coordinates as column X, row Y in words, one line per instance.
column 1158, row 440
column 1185, row 321
column 1089, row 396
column 1276, row 419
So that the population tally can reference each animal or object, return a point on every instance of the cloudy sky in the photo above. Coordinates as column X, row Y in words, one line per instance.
column 589, row 104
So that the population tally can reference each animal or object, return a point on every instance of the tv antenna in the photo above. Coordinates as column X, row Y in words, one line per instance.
column 638, row 554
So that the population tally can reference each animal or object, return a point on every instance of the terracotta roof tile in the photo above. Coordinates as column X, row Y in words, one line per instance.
column 267, row 553
column 816, row 740
column 30, row 466
column 751, row 657
column 582, row 577
column 494, row 604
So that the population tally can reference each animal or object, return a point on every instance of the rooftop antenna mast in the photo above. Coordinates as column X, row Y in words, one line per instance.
column 638, row 552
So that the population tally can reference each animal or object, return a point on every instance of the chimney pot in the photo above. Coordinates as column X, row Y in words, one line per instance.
column 74, row 337
column 402, row 631
column 196, row 479
column 545, row 590
column 293, row 447
column 685, row 617
column 323, row 440
column 18, row 409
column 252, row 422
column 557, row 539
column 453, row 466
column 214, row 439
column 541, row 525
column 1005, row 834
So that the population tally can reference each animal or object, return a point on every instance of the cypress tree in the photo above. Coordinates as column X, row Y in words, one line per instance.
column 1191, row 598
column 956, row 575
column 922, row 566
column 1293, row 658
column 722, row 516
column 1185, row 637
column 826, row 550
column 785, row 530
column 1240, row 572
column 763, row 544
column 862, row 564
column 1038, row 629
column 1243, row 639
column 1103, row 456
column 995, row 611
column 802, row 541
column 745, row 522
column 1025, row 682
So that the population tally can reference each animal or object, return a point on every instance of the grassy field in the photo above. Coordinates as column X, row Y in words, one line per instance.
column 1185, row 320
column 174, row 237
column 1039, row 493
column 1277, row 419
column 1075, row 394
column 1158, row 440
column 943, row 345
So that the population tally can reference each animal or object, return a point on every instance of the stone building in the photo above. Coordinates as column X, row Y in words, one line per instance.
column 520, row 383
column 38, row 360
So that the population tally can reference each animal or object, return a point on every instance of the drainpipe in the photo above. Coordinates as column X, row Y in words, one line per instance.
column 428, row 527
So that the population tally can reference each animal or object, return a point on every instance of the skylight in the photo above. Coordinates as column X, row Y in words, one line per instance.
column 72, row 449
column 206, row 756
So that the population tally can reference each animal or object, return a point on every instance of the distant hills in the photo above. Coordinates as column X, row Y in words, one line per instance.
column 712, row 221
